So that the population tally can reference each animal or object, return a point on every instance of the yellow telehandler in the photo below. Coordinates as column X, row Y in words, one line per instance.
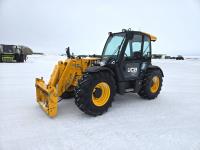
column 124, row 66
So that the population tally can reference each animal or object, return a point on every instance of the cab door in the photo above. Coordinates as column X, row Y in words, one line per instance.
column 131, row 63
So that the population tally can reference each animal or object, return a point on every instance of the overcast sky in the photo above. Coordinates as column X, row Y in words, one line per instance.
column 52, row 25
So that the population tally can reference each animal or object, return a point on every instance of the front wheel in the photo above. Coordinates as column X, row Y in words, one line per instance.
column 95, row 92
column 21, row 58
column 151, row 85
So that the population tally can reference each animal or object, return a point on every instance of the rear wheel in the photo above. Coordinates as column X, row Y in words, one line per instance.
column 151, row 85
column 95, row 92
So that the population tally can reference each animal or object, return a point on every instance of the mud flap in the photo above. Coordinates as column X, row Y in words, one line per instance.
column 46, row 97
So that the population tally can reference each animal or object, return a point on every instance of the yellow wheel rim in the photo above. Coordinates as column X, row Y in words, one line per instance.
column 155, row 84
column 103, row 96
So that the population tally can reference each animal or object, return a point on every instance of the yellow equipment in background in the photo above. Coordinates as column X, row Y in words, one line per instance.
column 65, row 77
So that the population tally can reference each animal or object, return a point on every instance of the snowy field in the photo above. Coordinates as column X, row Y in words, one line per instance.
column 171, row 122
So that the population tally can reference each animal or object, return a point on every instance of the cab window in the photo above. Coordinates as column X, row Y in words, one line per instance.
column 146, row 47
column 133, row 48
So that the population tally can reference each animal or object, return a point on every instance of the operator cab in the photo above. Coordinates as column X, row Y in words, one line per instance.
column 128, row 54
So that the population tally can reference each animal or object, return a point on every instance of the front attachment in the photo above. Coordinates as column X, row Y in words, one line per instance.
column 46, row 97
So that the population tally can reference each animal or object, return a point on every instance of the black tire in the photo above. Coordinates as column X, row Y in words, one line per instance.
column 84, row 92
column 145, row 91
column 17, row 57
column 67, row 95
column 21, row 58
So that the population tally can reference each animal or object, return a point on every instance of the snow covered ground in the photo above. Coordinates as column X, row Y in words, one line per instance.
column 171, row 122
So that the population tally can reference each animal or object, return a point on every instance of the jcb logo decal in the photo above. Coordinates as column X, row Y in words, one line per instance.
column 132, row 70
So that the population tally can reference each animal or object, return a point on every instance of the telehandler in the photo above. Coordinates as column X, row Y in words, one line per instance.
column 124, row 66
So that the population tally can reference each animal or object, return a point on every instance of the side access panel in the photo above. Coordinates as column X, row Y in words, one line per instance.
column 131, row 70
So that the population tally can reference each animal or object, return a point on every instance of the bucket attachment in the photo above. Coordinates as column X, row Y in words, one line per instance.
column 46, row 97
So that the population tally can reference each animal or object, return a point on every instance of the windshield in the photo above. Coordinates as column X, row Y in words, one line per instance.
column 8, row 48
column 113, row 46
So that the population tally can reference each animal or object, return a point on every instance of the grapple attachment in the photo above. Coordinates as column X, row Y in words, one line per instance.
column 46, row 97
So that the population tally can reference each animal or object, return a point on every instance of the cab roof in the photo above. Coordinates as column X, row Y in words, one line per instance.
column 152, row 37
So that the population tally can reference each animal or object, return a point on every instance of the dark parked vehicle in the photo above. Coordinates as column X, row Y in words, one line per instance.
column 179, row 57
column 167, row 57
column 14, row 53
